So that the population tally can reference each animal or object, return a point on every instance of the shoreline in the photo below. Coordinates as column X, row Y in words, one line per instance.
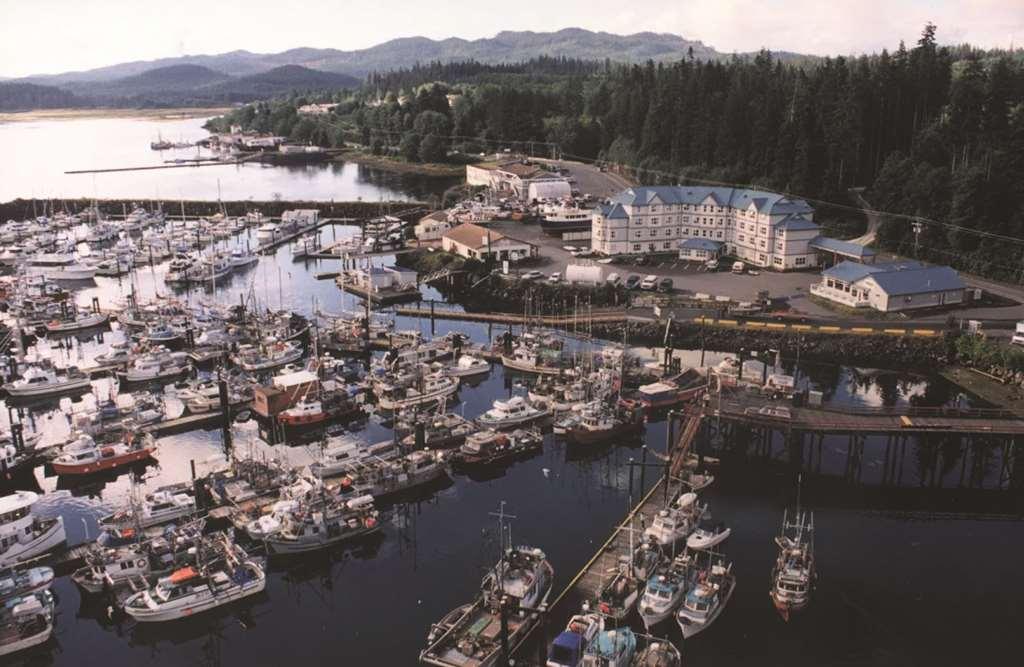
column 387, row 164
column 99, row 113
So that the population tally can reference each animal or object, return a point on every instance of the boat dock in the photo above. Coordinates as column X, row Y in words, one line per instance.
column 587, row 583
column 175, row 165
column 560, row 321
column 278, row 241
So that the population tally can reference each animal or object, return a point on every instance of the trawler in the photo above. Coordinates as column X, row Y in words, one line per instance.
column 712, row 587
column 155, row 366
column 159, row 507
column 528, row 359
column 109, row 567
column 793, row 575
column 658, row 653
column 322, row 524
column 443, row 432
column 22, row 534
column 227, row 576
column 267, row 357
column 77, row 322
column 600, row 423
column 665, row 590
column 26, row 621
column 617, row 596
column 677, row 521
column 382, row 478
column 516, row 411
column 467, row 366
column 493, row 448
column 521, row 580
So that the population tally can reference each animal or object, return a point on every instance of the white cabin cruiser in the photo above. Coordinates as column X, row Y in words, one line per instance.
column 432, row 388
column 37, row 382
column 513, row 412
column 677, row 521
column 264, row 358
column 24, row 535
column 161, row 506
column 155, row 366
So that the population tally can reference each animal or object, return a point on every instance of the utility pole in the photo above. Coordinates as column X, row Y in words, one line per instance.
column 917, row 227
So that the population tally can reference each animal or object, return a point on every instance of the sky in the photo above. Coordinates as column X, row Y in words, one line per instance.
column 51, row 36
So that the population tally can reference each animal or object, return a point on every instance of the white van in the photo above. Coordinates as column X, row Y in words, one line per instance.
column 737, row 267
column 613, row 279
column 649, row 282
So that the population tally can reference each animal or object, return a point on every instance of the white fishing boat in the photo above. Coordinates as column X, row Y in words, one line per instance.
column 159, row 507
column 707, row 598
column 107, row 568
column 530, row 360
column 78, row 322
column 193, row 590
column 26, row 621
column 664, row 590
column 793, row 575
column 380, row 478
column 339, row 454
column 468, row 366
column 709, row 533
column 155, row 366
column 267, row 232
column 239, row 259
column 38, row 382
column 324, row 524
column 430, row 388
column 677, row 521
column 254, row 359
column 23, row 535
column 516, row 411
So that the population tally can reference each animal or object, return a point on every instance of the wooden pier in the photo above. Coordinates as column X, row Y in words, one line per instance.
column 585, row 586
column 561, row 321
column 278, row 241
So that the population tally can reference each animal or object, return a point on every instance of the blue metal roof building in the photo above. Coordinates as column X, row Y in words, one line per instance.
column 891, row 286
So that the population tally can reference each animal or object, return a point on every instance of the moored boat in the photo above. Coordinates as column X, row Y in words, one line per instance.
column 26, row 621
column 22, row 534
column 83, row 456
column 513, row 412
column 793, row 574
column 712, row 587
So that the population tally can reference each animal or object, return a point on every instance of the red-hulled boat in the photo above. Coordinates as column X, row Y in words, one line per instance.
column 83, row 456
column 303, row 413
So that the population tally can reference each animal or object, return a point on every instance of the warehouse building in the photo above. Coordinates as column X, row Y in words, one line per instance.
column 512, row 178
column 892, row 286
column 476, row 242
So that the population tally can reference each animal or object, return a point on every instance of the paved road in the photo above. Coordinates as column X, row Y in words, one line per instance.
column 591, row 180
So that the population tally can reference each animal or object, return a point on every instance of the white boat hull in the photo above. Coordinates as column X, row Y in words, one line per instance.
column 199, row 606
column 698, row 542
column 44, row 543
column 27, row 642
column 48, row 389
column 276, row 545
column 398, row 404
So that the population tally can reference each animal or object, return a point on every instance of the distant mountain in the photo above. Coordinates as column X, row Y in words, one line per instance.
column 503, row 47
column 173, row 78
column 27, row 96
column 278, row 81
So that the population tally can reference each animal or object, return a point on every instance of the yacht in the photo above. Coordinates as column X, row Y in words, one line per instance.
column 24, row 535
column 158, row 365
column 707, row 597
column 793, row 575
column 431, row 388
column 324, row 524
column 266, row 232
column 494, row 448
column 568, row 647
column 26, row 621
column 709, row 533
column 665, row 590
column 38, row 382
column 194, row 589
column 516, row 411
column 19, row 583
column 521, row 579
column 83, row 456
column 60, row 266
column 78, row 322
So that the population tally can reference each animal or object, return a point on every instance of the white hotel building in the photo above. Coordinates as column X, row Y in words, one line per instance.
column 761, row 228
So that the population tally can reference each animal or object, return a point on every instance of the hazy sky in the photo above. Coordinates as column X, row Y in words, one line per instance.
column 48, row 36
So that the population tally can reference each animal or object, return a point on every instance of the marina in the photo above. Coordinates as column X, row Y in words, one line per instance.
column 353, row 452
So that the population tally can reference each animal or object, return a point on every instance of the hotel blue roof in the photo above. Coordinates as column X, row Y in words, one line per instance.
column 899, row 278
column 845, row 248
column 771, row 203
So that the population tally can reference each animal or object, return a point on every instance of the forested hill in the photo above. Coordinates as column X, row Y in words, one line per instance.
column 25, row 96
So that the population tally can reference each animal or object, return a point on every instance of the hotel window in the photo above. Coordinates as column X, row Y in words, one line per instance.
column 612, row 235
column 654, row 232
column 654, row 221
column 777, row 261
column 636, row 247
column 667, row 245
column 762, row 243
column 668, row 232
column 686, row 231
column 801, row 261
column 761, row 258
column 719, row 234
column 742, row 239
column 778, row 246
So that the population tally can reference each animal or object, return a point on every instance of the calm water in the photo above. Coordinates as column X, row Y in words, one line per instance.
column 908, row 575
column 45, row 149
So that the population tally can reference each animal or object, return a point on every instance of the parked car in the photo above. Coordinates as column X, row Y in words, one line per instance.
column 771, row 412
column 570, row 248
column 738, row 267
column 633, row 281
column 665, row 285
column 711, row 265
column 649, row 282
column 555, row 277
column 532, row 275
column 613, row 279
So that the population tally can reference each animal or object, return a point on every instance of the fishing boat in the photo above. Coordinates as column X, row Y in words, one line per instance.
column 601, row 422
column 19, row 583
column 646, row 557
column 516, row 411
column 658, row 653
column 12, row 459
column 42, row 381
column 194, row 589
column 83, row 456
column 442, row 432
column 266, row 232
column 431, row 388
column 468, row 366
column 108, row 567
column 254, row 359
column 709, row 533
column 26, row 621
column 677, row 521
column 380, row 478
column 521, row 580
column 324, row 524
column 557, row 395
column 712, row 587
column 617, row 596
column 60, row 266
column 240, row 259
column 564, row 424
column 155, row 366
column 611, row 648
column 527, row 359
column 793, row 574
column 664, row 590
column 78, row 322
column 23, row 535
column 492, row 448
column 159, row 507
column 112, row 267
column 568, row 647
column 305, row 412
column 338, row 456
